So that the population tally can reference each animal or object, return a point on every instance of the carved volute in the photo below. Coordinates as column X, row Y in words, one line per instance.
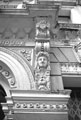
column 42, row 59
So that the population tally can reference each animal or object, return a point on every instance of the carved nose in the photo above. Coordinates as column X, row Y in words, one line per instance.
column 42, row 60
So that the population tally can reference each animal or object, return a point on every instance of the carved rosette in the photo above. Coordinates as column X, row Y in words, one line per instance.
column 8, row 76
column 27, row 54
column 37, row 107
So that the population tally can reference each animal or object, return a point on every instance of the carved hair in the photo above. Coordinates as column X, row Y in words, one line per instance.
column 42, row 54
column 43, row 22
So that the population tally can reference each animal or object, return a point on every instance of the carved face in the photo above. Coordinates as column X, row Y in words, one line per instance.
column 42, row 81
column 42, row 61
column 42, row 84
column 43, row 26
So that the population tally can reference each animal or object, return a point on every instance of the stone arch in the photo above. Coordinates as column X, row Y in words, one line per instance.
column 7, row 78
column 21, row 76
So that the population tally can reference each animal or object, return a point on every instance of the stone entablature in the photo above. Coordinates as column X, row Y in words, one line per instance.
column 71, row 68
column 36, row 103
column 61, row 34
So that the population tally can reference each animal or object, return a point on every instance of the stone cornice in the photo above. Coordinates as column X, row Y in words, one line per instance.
column 66, row 2
column 11, row 7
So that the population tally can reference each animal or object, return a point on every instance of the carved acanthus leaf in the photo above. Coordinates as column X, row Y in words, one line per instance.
column 26, row 54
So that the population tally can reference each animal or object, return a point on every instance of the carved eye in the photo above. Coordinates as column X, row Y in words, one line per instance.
column 44, row 59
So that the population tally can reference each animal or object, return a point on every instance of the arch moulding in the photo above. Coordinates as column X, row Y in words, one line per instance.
column 23, row 76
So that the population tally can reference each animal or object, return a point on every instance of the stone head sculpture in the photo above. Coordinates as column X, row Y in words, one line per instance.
column 42, row 60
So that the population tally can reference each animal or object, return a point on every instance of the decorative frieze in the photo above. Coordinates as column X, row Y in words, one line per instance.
column 38, row 104
column 58, row 2
column 67, row 37
column 40, row 107
column 68, row 33
column 52, row 2
column 62, row 33
column 14, row 36
column 71, row 68
column 69, row 26
column 12, row 42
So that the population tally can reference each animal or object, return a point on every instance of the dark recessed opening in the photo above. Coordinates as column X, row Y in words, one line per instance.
column 2, row 100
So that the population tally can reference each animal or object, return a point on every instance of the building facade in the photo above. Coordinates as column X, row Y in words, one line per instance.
column 40, row 59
